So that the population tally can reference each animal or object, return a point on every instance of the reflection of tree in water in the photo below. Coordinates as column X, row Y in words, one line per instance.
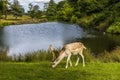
column 115, row 38
column 99, row 44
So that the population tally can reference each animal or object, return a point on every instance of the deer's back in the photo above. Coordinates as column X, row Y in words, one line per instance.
column 73, row 46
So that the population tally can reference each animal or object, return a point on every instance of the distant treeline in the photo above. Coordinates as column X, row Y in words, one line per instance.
column 103, row 15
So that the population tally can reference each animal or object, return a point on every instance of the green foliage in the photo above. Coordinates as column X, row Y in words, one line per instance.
column 17, row 9
column 73, row 19
column 51, row 10
column 114, row 28
column 4, row 8
column 98, row 14
column 65, row 13
column 92, row 20
column 34, row 11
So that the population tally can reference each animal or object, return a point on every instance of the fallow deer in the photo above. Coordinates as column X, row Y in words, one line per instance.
column 75, row 48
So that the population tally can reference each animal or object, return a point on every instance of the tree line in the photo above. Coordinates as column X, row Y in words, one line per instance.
column 103, row 15
column 17, row 10
column 11, row 8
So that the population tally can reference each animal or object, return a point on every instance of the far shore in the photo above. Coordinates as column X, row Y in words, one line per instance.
column 20, row 20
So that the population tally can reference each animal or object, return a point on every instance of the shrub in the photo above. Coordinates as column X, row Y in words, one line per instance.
column 73, row 19
column 114, row 28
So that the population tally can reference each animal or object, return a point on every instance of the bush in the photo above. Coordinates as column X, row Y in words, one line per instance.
column 114, row 28
column 92, row 20
column 73, row 19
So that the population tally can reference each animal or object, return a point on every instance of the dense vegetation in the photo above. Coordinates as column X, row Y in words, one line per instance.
column 103, row 15
column 98, row 14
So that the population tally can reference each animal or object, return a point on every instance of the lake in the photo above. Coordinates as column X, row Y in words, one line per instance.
column 32, row 37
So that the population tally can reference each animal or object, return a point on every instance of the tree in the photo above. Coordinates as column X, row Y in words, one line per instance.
column 65, row 12
column 17, row 9
column 30, row 10
column 4, row 7
column 34, row 11
column 30, row 6
column 51, row 10
column 60, row 5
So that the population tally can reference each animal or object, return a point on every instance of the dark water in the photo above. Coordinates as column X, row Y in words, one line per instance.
column 32, row 37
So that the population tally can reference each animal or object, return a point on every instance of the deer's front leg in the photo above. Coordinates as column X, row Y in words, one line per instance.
column 77, row 61
column 68, row 59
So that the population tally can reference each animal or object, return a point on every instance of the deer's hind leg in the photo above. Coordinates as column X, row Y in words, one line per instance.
column 82, row 57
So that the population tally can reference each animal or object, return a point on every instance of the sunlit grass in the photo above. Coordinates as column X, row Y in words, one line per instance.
column 43, row 71
column 20, row 20
column 37, row 66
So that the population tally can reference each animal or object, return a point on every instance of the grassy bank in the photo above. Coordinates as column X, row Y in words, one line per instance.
column 21, row 20
column 43, row 71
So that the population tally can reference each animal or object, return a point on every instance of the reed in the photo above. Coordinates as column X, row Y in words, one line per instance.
column 113, row 56
column 36, row 56
column 4, row 57
column 42, row 55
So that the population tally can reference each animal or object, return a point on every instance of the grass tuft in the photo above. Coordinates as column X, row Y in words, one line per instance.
column 113, row 56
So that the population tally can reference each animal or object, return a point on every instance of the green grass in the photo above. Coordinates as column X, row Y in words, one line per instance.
column 43, row 71
column 37, row 66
